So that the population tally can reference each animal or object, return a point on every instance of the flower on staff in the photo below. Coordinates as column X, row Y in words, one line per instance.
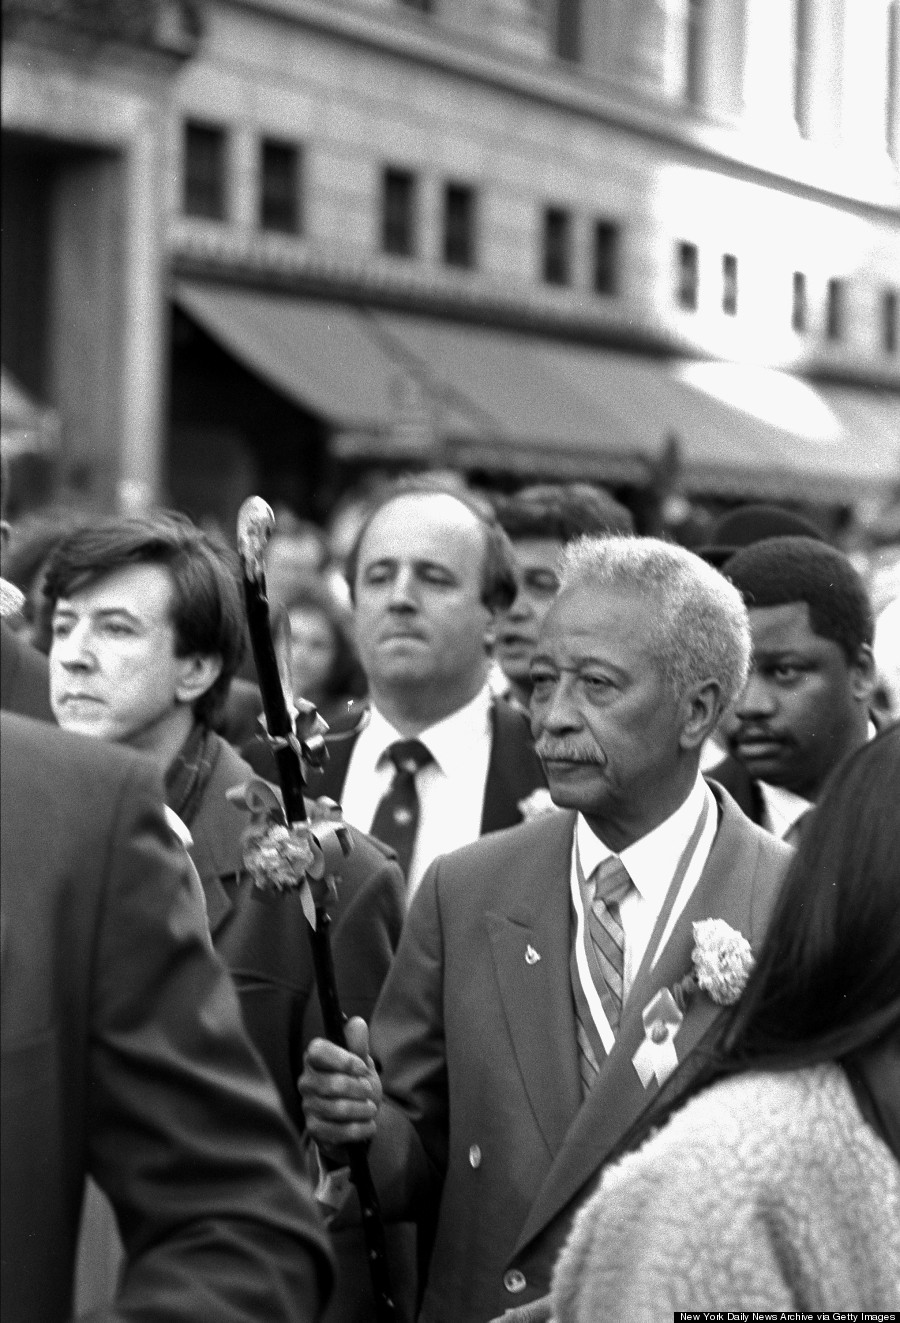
column 722, row 960
column 276, row 857
column 536, row 804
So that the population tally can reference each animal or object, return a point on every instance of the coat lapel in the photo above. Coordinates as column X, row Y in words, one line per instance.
column 514, row 770
column 725, row 891
column 216, row 830
column 329, row 780
column 530, row 936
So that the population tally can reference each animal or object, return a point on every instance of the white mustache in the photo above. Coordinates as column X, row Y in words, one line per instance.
column 567, row 753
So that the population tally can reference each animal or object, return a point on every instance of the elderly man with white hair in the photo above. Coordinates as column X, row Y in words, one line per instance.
column 542, row 992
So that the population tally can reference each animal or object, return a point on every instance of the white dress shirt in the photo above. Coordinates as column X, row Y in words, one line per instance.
column 651, row 862
column 450, row 789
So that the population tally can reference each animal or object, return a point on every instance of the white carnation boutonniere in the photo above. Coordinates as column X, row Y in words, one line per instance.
column 537, row 804
column 722, row 961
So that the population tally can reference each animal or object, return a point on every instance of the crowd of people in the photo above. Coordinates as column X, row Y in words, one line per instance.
column 614, row 930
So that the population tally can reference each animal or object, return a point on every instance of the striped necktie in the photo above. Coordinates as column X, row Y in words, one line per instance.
column 611, row 884
column 604, row 940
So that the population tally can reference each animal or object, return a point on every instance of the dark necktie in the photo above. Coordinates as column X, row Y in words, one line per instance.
column 396, row 819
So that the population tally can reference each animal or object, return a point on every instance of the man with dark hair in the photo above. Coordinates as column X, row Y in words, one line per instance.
column 541, row 521
column 440, row 762
column 147, row 632
column 806, row 702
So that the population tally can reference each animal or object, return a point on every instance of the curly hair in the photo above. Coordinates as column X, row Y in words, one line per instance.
column 782, row 570
column 699, row 630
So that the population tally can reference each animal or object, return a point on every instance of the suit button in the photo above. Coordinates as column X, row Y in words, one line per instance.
column 474, row 1156
column 514, row 1281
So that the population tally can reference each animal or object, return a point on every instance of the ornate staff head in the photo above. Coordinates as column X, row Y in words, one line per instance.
column 255, row 526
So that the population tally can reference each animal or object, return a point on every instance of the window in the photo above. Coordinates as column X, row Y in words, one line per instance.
column 802, row 63
column 695, row 52
column 606, row 257
column 798, row 303
column 834, row 310
column 890, row 315
column 729, row 284
column 557, row 246
column 459, row 225
column 279, row 199
column 567, row 30
column 398, row 215
column 204, row 170
column 687, row 290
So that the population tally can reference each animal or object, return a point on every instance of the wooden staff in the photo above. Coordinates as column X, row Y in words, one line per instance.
column 254, row 528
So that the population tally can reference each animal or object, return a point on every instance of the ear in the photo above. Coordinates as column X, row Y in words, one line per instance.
column 196, row 674
column 701, row 710
column 862, row 675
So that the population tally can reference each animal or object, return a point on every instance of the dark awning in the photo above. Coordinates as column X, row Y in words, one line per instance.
column 393, row 385
column 324, row 357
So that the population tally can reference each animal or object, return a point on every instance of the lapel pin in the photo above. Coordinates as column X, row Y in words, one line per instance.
column 531, row 956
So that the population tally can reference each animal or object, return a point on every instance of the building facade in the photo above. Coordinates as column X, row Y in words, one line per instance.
column 611, row 239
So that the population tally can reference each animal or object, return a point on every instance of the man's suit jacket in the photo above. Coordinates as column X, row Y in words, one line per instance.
column 24, row 679
column 262, row 939
column 734, row 777
column 124, row 1058
column 263, row 942
column 514, row 769
column 475, row 1033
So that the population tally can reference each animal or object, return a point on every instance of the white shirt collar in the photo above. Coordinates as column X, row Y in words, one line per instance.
column 652, row 860
column 448, row 740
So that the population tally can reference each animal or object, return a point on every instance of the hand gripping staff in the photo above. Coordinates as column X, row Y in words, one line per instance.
column 285, row 852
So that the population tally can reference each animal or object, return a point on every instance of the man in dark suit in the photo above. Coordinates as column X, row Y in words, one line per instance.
column 124, row 1057
column 440, row 761
column 530, row 1014
column 806, row 704
column 147, row 632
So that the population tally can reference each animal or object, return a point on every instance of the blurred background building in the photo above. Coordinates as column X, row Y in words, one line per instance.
column 288, row 245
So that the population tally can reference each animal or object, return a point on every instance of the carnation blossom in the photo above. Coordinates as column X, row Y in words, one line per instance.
column 277, row 858
column 722, row 960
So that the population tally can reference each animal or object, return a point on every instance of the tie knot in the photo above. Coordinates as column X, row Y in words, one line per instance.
column 408, row 755
column 611, row 880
